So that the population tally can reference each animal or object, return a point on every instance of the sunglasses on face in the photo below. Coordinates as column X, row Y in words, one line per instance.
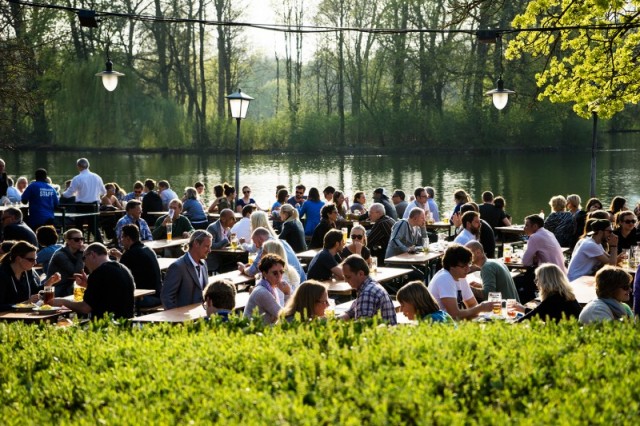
column 626, row 287
column 76, row 239
column 246, row 192
column 30, row 259
column 357, row 237
column 629, row 221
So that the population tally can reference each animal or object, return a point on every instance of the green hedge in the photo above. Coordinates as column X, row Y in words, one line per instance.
column 323, row 373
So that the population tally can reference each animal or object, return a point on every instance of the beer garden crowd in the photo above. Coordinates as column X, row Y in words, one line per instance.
column 470, row 266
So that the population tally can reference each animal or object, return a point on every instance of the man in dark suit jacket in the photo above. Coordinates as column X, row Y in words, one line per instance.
column 187, row 277
column 13, row 228
column 219, row 231
column 142, row 262
column 151, row 202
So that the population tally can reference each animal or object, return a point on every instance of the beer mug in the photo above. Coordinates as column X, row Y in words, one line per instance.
column 47, row 294
column 78, row 293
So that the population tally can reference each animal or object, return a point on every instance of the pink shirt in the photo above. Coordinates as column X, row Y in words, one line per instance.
column 544, row 248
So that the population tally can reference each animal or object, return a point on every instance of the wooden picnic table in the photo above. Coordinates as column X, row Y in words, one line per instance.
column 163, row 244
column 420, row 259
column 382, row 275
column 307, row 256
column 165, row 262
column 236, row 277
column 216, row 216
column 31, row 317
column 442, row 225
column 584, row 289
column 188, row 312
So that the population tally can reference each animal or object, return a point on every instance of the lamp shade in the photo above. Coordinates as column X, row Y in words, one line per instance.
column 109, row 76
column 500, row 95
column 239, row 104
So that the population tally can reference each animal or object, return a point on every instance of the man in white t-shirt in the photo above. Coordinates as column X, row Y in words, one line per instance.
column 470, row 228
column 451, row 281
column 589, row 253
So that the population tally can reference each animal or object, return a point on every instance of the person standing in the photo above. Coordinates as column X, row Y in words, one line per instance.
column 88, row 189
column 42, row 199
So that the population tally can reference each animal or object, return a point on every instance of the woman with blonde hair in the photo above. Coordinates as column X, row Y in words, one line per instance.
column 310, row 301
column 259, row 219
column 558, row 300
column 561, row 222
column 579, row 216
column 290, row 275
column 292, row 229
column 358, row 244
column 416, row 302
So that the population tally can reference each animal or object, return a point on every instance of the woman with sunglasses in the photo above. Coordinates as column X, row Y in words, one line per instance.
column 246, row 199
column 625, row 229
column 613, row 288
column 68, row 261
column 558, row 300
column 358, row 244
column 18, row 281
column 264, row 298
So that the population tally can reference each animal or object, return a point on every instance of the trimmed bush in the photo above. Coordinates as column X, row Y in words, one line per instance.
column 320, row 373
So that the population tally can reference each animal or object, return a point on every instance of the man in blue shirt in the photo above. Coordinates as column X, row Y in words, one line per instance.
column 42, row 199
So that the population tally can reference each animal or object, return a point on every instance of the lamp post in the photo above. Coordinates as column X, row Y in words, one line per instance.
column 594, row 149
column 238, row 105
column 109, row 76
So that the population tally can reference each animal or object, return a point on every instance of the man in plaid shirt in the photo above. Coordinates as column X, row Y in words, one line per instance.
column 371, row 298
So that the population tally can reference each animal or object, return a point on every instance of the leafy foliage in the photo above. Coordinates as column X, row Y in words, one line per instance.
column 595, row 69
column 322, row 372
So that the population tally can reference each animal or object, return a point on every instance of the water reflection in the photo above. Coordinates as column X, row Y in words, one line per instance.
column 526, row 180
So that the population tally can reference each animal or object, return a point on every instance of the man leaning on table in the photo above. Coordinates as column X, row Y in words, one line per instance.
column 109, row 286
column 187, row 277
column 495, row 275
column 450, row 287
column 372, row 299
column 408, row 233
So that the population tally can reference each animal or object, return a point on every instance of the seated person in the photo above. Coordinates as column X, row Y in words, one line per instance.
column 613, row 288
column 372, row 299
column 133, row 215
column 220, row 299
column 14, row 228
column 263, row 299
column 407, row 234
column 180, row 225
column 310, row 301
column 67, row 261
column 417, row 303
column 325, row 264
column 193, row 210
column 242, row 228
column 589, row 254
column 558, row 300
column 358, row 244
column 329, row 214
column 450, row 281
column 110, row 286
column 48, row 241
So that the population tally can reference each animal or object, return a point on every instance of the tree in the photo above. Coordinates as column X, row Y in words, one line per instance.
column 595, row 68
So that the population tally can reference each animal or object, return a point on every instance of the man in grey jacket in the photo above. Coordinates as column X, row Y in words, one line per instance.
column 188, row 276
column 408, row 233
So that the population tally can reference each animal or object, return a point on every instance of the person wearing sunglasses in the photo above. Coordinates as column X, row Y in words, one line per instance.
column 358, row 244
column 589, row 254
column 613, row 288
column 245, row 200
column 264, row 298
column 18, row 281
column 625, row 229
column 67, row 261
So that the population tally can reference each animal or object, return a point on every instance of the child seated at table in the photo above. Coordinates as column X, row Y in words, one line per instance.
column 220, row 298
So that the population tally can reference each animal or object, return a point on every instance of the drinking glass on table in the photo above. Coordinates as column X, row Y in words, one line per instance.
column 233, row 240
column 496, row 298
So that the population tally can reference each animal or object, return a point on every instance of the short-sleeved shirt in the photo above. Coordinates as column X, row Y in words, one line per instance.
column 110, row 289
column 585, row 259
column 372, row 299
column 321, row 265
column 443, row 286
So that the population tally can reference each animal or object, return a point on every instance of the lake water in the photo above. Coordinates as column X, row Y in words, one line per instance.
column 527, row 180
